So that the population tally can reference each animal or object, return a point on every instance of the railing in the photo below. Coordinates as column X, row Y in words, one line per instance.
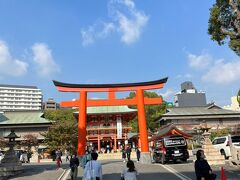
column 106, row 127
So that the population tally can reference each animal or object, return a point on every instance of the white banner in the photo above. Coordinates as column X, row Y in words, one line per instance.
column 119, row 127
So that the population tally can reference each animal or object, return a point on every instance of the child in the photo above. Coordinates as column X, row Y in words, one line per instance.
column 130, row 173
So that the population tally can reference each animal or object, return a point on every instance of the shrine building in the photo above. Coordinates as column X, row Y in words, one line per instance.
column 108, row 126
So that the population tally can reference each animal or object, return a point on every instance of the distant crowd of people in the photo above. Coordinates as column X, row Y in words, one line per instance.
column 24, row 156
column 93, row 168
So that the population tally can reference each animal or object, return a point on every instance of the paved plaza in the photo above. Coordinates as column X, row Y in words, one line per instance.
column 113, row 168
column 184, row 171
column 41, row 171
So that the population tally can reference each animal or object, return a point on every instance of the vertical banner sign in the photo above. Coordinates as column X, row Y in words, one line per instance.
column 119, row 127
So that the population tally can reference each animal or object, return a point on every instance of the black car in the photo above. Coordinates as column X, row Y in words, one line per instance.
column 170, row 148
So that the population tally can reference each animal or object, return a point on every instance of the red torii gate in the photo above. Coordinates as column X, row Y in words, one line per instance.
column 83, row 103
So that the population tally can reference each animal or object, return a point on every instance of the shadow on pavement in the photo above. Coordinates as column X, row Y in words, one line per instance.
column 35, row 169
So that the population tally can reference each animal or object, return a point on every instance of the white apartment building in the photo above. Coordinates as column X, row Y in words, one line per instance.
column 18, row 98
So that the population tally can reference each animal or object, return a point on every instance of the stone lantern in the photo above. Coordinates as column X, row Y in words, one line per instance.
column 213, row 156
column 10, row 164
column 12, row 136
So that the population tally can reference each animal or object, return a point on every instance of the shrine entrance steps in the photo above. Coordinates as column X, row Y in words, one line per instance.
column 118, row 155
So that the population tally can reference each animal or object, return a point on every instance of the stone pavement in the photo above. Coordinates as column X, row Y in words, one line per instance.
column 184, row 171
column 112, row 170
column 41, row 171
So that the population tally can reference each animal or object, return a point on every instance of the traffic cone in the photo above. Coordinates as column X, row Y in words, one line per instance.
column 223, row 177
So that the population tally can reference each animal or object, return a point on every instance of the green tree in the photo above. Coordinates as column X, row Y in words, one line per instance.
column 222, row 132
column 223, row 24
column 3, row 143
column 238, row 97
column 63, row 133
column 29, row 141
column 153, row 112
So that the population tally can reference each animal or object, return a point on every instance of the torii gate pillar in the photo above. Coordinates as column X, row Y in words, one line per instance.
column 82, row 132
column 142, row 126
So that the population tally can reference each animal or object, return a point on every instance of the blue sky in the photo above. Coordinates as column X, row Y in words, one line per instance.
column 114, row 41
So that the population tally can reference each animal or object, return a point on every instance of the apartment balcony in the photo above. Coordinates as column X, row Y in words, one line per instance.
column 20, row 96
column 20, row 92
column 20, row 100
column 19, row 108
column 20, row 104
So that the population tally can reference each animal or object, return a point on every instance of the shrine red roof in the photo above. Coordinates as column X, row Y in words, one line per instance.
column 170, row 129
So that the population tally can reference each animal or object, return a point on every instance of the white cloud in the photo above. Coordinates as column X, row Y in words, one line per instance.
column 184, row 76
column 87, row 36
column 132, row 28
column 168, row 94
column 8, row 65
column 99, row 30
column 223, row 73
column 130, row 20
column 42, row 56
column 213, row 70
column 126, row 20
column 199, row 62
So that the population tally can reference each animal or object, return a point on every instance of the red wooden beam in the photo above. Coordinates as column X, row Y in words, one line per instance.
column 111, row 102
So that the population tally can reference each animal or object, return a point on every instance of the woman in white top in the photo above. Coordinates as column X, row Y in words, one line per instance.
column 94, row 167
column 130, row 173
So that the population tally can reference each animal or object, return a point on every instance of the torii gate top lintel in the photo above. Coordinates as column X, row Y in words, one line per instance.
column 68, row 87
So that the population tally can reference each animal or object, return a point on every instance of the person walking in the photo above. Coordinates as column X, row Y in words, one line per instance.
column 130, row 173
column 138, row 153
column 128, row 152
column 58, row 162
column 59, row 155
column 202, row 169
column 1, row 156
column 29, row 155
column 124, row 155
column 93, row 168
column 67, row 156
column 74, row 163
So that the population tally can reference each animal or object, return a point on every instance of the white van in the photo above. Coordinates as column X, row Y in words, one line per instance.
column 222, row 144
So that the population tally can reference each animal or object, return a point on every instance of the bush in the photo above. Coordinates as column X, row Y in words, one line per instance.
column 217, row 133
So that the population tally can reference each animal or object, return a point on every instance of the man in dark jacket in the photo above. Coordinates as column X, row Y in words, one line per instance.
column 202, row 168
column 138, row 153
column 74, row 163
column 128, row 152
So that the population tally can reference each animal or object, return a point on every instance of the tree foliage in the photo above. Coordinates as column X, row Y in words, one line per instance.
column 222, row 132
column 63, row 133
column 224, row 23
column 3, row 143
column 238, row 97
column 29, row 140
column 153, row 112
